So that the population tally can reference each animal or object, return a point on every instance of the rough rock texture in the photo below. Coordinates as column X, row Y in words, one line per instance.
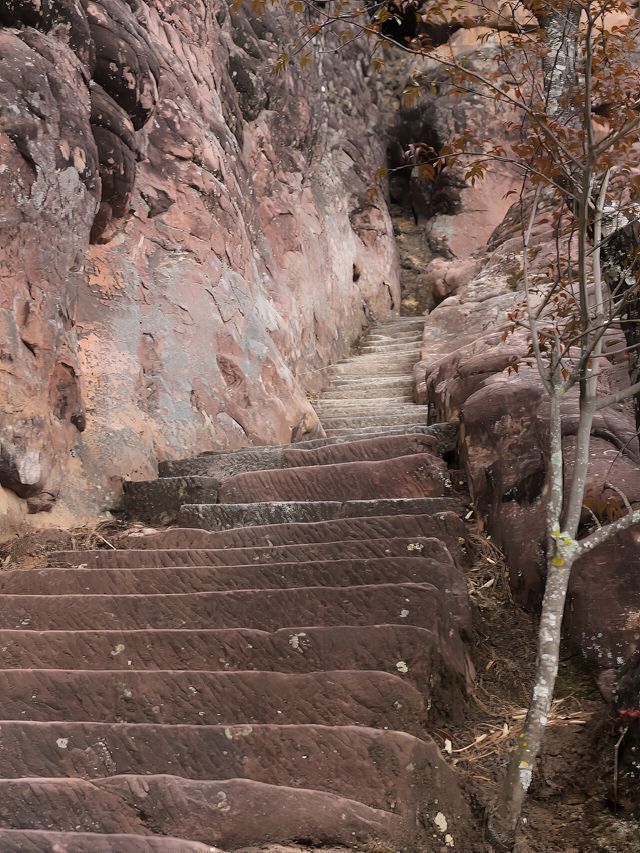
column 627, row 706
column 416, row 476
column 469, row 373
column 267, row 684
column 186, row 238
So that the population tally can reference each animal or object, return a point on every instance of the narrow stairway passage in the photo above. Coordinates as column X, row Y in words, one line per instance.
column 270, row 669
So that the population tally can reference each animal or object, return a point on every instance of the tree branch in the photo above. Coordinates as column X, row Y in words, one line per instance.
column 605, row 533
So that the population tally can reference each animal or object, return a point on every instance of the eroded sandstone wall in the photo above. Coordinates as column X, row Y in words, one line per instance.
column 187, row 238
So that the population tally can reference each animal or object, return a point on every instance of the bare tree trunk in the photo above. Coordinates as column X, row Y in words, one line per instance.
column 559, row 65
column 560, row 75
column 503, row 823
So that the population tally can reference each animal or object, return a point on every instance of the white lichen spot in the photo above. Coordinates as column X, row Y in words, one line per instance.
column 127, row 693
column 79, row 159
column 404, row 613
column 232, row 732
column 441, row 822
column 62, row 742
column 540, row 693
column 401, row 666
column 295, row 642
column 223, row 804
column 525, row 774
column 117, row 649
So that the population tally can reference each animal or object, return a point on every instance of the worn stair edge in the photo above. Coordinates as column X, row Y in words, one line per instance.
column 375, row 420
column 420, row 604
column 350, row 433
column 369, row 449
column 229, row 516
column 327, row 402
column 437, row 569
column 217, row 810
column 372, row 698
column 233, row 555
column 373, row 766
column 445, row 432
column 49, row 841
column 358, row 538
column 436, row 663
column 417, row 475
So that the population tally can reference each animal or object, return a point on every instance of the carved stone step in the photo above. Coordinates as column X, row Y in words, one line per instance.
column 224, row 466
column 334, row 759
column 410, row 476
column 217, row 813
column 226, row 516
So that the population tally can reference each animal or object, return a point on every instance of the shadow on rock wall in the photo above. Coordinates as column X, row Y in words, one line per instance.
column 180, row 228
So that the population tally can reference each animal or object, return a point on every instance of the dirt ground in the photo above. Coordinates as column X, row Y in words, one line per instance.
column 570, row 807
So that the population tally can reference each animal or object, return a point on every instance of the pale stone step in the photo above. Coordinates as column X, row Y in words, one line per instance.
column 382, row 384
column 396, row 358
column 228, row 516
column 350, row 433
column 370, row 371
column 216, row 467
column 374, row 420
column 401, row 334
column 327, row 404
column 389, row 346
column 446, row 433
column 401, row 323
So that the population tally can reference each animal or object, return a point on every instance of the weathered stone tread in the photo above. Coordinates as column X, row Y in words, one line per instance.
column 448, row 527
column 261, row 554
column 48, row 841
column 413, row 604
column 374, row 699
column 413, row 476
column 440, row 572
column 426, row 652
column 335, row 759
column 374, row 420
column 351, row 433
column 226, row 465
column 228, row 516
column 217, row 810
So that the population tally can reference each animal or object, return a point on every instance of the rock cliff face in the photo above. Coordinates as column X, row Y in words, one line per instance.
column 187, row 238
column 472, row 375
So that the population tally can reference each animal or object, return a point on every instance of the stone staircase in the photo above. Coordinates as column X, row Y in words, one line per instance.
column 267, row 672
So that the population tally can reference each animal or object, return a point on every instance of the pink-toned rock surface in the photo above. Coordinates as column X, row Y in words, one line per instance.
column 187, row 239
